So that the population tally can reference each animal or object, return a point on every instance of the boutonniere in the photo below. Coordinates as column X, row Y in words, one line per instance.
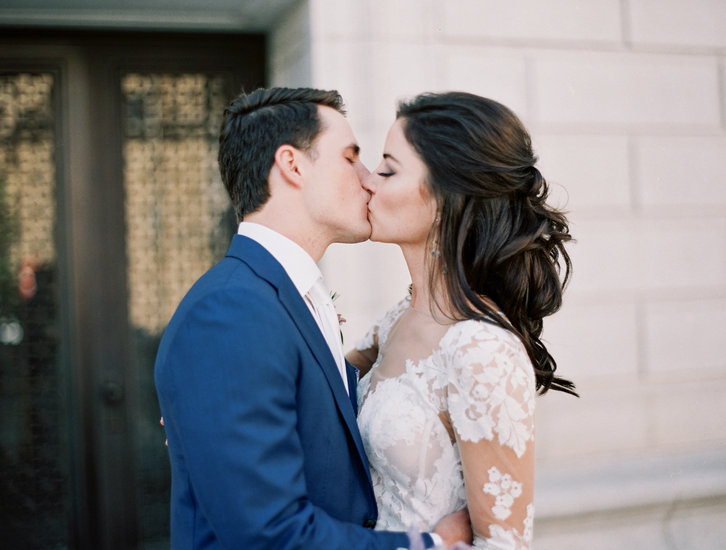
column 334, row 296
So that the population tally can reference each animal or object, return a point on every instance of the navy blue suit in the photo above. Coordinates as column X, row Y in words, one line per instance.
column 264, row 447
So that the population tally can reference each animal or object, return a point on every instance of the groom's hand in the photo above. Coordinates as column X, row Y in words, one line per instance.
column 454, row 528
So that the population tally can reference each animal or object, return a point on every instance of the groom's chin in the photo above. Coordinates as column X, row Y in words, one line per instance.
column 361, row 234
column 364, row 234
column 361, row 238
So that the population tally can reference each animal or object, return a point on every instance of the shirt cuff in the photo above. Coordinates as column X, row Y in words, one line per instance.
column 437, row 540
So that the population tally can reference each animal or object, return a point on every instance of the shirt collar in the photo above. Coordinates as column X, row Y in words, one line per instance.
column 300, row 267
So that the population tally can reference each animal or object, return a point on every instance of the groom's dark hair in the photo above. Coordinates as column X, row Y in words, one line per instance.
column 253, row 128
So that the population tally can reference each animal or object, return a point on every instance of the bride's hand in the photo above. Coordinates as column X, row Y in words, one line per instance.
column 455, row 528
column 362, row 360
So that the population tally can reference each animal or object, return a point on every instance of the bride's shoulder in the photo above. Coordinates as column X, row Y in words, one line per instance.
column 478, row 332
column 482, row 354
column 397, row 309
column 378, row 333
column 477, row 341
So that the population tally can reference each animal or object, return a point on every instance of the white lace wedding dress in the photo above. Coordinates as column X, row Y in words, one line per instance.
column 447, row 419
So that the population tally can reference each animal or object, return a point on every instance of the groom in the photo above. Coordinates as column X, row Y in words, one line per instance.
column 258, row 401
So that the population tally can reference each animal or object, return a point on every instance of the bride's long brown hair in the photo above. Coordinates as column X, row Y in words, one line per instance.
column 497, row 240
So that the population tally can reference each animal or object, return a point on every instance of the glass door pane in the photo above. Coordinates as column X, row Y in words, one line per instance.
column 178, row 223
column 33, row 423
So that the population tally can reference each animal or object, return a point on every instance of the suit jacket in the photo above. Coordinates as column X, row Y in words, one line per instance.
column 264, row 447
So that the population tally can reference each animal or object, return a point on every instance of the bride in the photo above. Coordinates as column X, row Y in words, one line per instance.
column 449, row 374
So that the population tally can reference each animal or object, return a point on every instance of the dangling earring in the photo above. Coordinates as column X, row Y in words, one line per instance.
column 435, row 248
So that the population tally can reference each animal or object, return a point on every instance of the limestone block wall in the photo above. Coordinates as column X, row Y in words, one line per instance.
column 626, row 103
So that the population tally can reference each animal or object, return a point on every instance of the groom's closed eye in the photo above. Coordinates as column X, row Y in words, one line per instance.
column 352, row 152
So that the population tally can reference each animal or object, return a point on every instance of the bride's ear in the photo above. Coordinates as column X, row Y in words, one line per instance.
column 288, row 164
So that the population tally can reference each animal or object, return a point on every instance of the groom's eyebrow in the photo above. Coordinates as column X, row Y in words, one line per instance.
column 355, row 148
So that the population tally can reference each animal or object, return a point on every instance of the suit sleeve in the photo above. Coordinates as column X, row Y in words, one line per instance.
column 230, row 410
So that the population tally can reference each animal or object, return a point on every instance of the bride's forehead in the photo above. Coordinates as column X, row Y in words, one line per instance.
column 396, row 136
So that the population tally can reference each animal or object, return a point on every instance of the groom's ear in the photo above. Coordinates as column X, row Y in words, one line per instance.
column 288, row 161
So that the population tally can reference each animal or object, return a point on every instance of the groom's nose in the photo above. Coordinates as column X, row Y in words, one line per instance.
column 362, row 172
column 368, row 183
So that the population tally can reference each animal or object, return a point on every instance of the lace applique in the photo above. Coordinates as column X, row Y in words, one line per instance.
column 379, row 331
column 478, row 376
column 504, row 489
column 491, row 387
column 501, row 538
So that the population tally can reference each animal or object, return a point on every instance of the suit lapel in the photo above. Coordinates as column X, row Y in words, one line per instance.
column 352, row 373
column 265, row 265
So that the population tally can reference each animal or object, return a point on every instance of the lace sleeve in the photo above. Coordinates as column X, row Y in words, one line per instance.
column 490, row 399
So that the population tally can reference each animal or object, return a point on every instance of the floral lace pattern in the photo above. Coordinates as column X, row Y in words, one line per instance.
column 447, row 419
column 505, row 490
column 508, row 539
column 383, row 326
column 492, row 395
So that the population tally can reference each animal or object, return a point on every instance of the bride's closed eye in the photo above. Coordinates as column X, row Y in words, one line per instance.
column 386, row 174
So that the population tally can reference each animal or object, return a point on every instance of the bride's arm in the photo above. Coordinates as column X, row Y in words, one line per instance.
column 499, row 493
column 362, row 359
column 491, row 406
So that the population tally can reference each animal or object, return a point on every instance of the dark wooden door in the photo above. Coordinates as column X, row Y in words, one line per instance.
column 110, row 207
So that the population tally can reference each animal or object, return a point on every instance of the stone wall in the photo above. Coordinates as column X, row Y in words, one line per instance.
column 626, row 103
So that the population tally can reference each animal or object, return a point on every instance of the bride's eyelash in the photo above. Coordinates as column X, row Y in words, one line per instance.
column 386, row 174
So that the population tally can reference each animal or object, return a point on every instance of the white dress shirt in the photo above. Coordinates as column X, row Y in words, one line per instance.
column 308, row 280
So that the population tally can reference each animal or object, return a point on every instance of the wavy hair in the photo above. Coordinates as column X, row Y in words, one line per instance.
column 500, row 245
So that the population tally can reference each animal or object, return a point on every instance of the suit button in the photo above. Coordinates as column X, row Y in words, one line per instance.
column 369, row 523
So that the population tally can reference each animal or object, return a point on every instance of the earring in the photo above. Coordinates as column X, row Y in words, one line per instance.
column 435, row 249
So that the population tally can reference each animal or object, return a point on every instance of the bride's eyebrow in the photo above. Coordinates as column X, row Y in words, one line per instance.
column 388, row 156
